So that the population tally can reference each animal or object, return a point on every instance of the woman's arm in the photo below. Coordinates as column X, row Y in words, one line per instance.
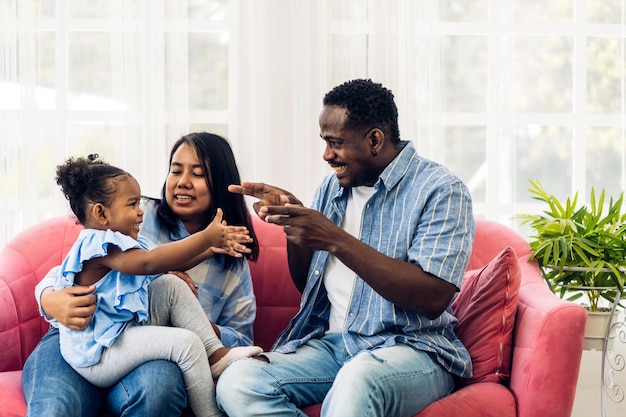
column 73, row 307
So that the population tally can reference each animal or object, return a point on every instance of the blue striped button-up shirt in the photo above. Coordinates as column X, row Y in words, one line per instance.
column 420, row 213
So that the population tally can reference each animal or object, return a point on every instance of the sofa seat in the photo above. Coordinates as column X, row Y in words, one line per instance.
column 547, row 332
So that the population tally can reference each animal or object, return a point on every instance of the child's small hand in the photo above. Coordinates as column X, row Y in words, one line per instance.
column 229, row 240
column 234, row 240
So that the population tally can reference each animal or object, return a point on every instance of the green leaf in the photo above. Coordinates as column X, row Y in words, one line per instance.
column 569, row 234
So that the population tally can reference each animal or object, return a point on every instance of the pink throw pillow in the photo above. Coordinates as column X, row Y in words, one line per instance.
column 485, row 309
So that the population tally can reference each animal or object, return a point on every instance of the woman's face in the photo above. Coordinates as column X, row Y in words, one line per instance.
column 186, row 190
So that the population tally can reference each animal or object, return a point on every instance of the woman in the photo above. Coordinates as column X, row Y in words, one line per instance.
column 202, row 166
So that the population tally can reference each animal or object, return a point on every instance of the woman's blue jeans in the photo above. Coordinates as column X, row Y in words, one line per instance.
column 53, row 389
column 393, row 381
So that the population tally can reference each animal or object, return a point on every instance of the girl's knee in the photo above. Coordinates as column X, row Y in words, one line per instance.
column 189, row 339
column 187, row 349
column 166, row 289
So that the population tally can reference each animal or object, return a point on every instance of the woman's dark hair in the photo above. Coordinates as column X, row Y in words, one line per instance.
column 86, row 181
column 220, row 170
column 368, row 105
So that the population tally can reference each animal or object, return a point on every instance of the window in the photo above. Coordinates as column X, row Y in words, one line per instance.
column 500, row 92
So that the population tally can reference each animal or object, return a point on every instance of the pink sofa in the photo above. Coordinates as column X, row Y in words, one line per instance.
column 547, row 335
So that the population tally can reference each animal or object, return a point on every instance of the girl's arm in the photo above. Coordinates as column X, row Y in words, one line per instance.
column 197, row 259
column 178, row 255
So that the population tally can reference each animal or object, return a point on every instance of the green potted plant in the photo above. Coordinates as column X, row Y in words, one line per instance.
column 581, row 249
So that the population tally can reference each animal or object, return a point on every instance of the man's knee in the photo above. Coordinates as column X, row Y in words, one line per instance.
column 241, row 374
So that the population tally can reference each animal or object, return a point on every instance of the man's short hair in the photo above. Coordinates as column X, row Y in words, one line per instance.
column 368, row 105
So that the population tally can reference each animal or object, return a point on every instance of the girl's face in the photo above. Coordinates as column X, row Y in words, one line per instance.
column 124, row 214
column 186, row 189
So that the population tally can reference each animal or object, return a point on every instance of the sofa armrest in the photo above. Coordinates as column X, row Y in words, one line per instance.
column 24, row 260
column 548, row 341
column 12, row 402
column 482, row 399
column 21, row 326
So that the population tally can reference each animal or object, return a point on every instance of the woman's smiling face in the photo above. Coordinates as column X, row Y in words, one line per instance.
column 186, row 189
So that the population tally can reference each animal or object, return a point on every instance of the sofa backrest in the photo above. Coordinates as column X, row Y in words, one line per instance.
column 491, row 237
column 31, row 254
column 277, row 297
column 28, row 256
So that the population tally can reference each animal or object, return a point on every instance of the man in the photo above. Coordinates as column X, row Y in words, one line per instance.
column 378, row 259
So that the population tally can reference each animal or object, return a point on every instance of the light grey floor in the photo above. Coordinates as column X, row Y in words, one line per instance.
column 588, row 391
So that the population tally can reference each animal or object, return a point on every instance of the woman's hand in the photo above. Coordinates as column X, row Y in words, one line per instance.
column 185, row 277
column 73, row 307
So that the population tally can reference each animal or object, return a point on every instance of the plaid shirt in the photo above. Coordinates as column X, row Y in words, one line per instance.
column 227, row 296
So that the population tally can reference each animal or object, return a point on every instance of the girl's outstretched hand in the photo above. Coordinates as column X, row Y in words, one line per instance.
column 229, row 240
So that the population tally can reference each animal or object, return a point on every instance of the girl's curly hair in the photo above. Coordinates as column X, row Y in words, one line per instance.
column 85, row 181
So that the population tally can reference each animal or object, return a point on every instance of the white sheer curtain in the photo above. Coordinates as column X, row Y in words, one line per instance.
column 108, row 77
column 282, row 75
column 499, row 91
column 290, row 53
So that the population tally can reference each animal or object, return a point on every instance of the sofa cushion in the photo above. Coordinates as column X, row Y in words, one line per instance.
column 485, row 309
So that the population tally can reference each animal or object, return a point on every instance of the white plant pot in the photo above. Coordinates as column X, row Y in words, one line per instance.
column 595, row 330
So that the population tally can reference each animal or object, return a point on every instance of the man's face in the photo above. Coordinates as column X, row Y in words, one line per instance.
column 347, row 151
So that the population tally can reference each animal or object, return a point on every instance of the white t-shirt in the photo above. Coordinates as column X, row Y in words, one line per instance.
column 339, row 279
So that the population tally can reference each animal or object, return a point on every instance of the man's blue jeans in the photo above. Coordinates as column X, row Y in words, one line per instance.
column 392, row 382
column 53, row 389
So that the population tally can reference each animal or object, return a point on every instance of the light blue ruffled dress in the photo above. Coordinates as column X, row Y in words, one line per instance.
column 121, row 298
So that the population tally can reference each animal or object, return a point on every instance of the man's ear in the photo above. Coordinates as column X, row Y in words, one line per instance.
column 99, row 213
column 376, row 139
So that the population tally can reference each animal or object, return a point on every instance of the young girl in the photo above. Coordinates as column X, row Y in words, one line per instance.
column 134, row 307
